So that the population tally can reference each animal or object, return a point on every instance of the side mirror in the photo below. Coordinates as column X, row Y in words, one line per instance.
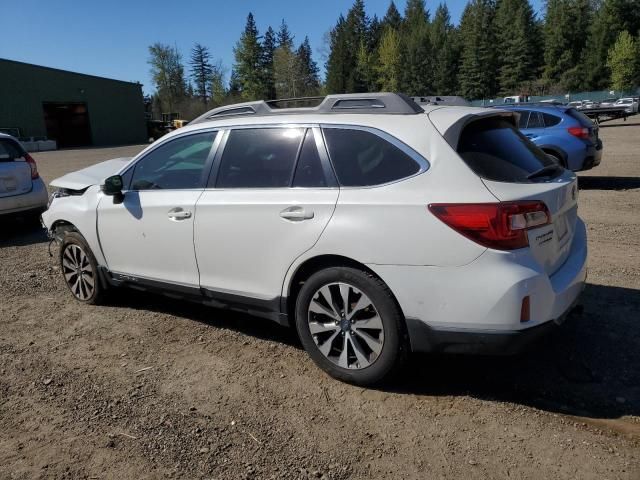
column 112, row 185
column 553, row 159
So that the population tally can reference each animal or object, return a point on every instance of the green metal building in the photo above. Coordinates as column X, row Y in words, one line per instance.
column 72, row 108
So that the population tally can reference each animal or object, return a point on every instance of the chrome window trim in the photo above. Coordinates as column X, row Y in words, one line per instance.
column 422, row 162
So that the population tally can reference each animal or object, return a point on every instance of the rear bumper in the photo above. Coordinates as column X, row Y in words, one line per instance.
column 480, row 342
column 36, row 199
column 476, row 308
column 594, row 156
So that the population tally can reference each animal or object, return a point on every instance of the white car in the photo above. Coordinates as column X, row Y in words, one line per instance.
column 630, row 104
column 22, row 191
column 372, row 225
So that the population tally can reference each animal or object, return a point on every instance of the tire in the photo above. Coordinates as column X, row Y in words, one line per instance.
column 80, row 269
column 374, row 332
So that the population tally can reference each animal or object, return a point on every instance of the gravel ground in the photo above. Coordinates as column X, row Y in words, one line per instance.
column 148, row 388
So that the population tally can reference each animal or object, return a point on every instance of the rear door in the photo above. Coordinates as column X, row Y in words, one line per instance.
column 514, row 169
column 270, row 196
column 15, row 172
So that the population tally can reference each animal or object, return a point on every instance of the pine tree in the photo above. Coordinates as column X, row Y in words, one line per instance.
column 201, row 71
column 444, row 43
column 357, row 26
column 623, row 62
column 477, row 76
column 517, row 34
column 284, row 37
column 392, row 18
column 249, row 59
column 309, row 69
column 417, row 71
column 339, row 61
column 388, row 65
column 343, row 74
column 268, row 50
column 612, row 18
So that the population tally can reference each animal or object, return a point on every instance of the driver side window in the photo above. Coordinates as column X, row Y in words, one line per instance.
column 178, row 164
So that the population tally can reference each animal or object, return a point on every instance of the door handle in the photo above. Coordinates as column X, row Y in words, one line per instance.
column 296, row 214
column 178, row 214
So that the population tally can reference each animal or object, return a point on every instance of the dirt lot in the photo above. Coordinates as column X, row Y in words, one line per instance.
column 149, row 388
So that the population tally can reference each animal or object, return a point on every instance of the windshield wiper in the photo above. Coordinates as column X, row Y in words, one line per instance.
column 544, row 171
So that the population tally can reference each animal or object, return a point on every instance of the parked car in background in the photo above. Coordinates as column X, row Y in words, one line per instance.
column 630, row 103
column 582, row 104
column 22, row 191
column 562, row 132
column 372, row 225
column 608, row 102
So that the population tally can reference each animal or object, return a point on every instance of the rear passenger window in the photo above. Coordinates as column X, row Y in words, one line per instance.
column 259, row 158
column 535, row 120
column 361, row 158
column 550, row 120
column 309, row 172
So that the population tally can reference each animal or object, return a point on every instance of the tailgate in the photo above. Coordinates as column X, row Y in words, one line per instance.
column 549, row 244
column 15, row 172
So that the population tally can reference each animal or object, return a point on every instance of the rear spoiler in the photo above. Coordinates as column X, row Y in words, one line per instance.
column 450, row 124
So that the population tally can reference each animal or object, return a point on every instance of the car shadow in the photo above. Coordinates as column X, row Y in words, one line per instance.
column 587, row 368
column 21, row 231
column 608, row 183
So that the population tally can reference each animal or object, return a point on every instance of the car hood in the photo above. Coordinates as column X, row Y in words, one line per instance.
column 93, row 175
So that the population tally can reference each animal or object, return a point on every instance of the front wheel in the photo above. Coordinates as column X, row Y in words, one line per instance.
column 80, row 269
column 350, row 325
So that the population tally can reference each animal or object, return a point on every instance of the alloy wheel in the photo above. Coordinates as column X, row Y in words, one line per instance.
column 78, row 272
column 345, row 325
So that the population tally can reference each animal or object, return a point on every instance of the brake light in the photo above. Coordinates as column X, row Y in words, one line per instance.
column 32, row 164
column 580, row 132
column 502, row 226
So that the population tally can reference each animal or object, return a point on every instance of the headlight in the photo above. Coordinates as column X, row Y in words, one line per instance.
column 57, row 194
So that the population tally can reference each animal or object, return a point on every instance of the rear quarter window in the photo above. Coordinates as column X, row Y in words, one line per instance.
column 362, row 158
column 495, row 150
column 551, row 120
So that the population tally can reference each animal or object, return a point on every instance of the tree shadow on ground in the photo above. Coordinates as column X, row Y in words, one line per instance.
column 588, row 367
column 608, row 183
column 20, row 231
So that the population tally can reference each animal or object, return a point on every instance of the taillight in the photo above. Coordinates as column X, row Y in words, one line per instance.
column 580, row 132
column 32, row 164
column 502, row 226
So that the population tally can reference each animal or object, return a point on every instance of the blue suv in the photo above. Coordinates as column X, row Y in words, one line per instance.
column 562, row 132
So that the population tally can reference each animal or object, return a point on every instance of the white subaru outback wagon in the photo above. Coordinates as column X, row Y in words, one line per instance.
column 374, row 226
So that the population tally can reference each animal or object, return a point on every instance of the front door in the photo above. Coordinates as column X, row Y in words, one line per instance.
column 150, row 234
column 271, row 199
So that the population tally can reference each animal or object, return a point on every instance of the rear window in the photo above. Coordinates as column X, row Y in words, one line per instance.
column 494, row 149
column 9, row 150
column 580, row 117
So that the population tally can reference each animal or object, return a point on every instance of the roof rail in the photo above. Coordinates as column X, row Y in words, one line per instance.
column 371, row 103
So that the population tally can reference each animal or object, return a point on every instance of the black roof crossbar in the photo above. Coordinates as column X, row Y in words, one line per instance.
column 369, row 103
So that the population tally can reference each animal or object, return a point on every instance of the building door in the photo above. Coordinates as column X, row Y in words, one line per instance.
column 67, row 124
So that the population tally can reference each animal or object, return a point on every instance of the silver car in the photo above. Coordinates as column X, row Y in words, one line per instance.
column 22, row 191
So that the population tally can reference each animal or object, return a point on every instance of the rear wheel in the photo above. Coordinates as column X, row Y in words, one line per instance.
column 80, row 269
column 351, row 326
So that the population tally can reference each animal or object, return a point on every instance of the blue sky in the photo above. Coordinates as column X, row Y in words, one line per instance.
column 110, row 38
